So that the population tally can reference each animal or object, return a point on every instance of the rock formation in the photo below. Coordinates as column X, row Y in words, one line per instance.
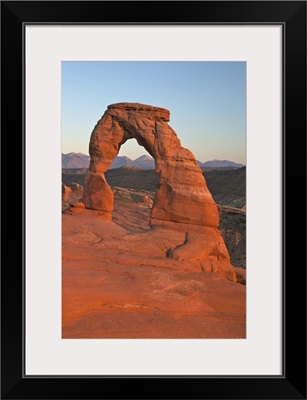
column 71, row 195
column 182, row 200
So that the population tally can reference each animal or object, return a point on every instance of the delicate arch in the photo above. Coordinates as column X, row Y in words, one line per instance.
column 182, row 200
column 182, row 195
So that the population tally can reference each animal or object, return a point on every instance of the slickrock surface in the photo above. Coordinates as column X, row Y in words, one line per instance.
column 182, row 200
column 118, row 282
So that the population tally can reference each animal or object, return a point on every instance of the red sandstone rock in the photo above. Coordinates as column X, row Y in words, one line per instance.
column 241, row 275
column 79, row 204
column 118, row 283
column 182, row 194
column 182, row 199
column 66, row 190
column 72, row 194
column 97, row 193
column 147, row 200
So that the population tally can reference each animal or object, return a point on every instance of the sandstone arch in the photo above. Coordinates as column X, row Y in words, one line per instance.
column 182, row 200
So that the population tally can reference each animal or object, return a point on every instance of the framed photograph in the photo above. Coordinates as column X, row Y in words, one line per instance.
column 160, row 157
column 140, row 210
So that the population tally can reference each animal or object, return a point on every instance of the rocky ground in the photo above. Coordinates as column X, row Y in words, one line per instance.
column 119, row 283
column 227, row 188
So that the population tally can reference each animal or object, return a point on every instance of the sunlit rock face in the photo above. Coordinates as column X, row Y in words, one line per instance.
column 182, row 200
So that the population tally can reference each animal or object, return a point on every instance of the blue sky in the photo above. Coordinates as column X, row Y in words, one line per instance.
column 207, row 102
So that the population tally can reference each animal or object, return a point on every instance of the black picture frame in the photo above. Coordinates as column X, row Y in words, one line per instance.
column 292, row 16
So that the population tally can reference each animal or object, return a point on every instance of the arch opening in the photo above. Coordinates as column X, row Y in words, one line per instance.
column 133, row 181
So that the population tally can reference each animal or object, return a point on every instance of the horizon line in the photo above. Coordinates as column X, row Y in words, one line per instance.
column 148, row 155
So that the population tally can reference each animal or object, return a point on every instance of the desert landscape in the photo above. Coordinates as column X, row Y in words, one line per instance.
column 151, row 253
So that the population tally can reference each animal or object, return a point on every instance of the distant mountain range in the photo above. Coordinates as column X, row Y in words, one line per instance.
column 219, row 164
column 75, row 160
column 144, row 162
column 80, row 160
